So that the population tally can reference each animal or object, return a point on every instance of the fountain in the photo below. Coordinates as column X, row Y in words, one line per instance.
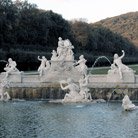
column 62, row 66
column 3, row 61
column 76, row 94
column 12, row 73
column 120, row 72
column 127, row 104
column 118, row 91
column 99, row 59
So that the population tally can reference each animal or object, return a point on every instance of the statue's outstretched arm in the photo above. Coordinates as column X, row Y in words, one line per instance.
column 39, row 58
column 7, row 64
column 123, row 54
column 78, row 62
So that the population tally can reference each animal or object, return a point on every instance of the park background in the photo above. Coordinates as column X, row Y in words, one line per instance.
column 27, row 32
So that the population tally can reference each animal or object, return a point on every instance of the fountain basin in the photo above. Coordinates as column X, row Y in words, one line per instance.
column 53, row 91
column 31, row 87
column 42, row 119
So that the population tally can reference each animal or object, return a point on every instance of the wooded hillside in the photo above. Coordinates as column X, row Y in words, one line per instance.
column 26, row 32
column 125, row 24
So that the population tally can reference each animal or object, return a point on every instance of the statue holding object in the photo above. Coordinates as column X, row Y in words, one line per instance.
column 118, row 63
column 120, row 72
column 76, row 93
column 44, row 64
column 81, row 65
column 73, row 95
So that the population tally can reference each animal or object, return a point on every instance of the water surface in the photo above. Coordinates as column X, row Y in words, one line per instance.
column 39, row 119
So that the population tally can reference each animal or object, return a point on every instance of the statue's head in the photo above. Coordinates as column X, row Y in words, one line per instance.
column 43, row 57
column 81, row 57
column 9, row 60
column 60, row 38
column 115, row 56
column 53, row 52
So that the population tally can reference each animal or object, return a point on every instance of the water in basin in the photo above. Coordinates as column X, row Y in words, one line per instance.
column 40, row 119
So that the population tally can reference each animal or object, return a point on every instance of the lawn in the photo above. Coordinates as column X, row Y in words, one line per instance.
column 104, row 70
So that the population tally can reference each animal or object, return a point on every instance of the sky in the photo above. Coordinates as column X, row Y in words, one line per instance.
column 92, row 10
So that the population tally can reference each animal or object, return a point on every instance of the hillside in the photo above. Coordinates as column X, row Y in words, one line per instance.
column 125, row 24
column 27, row 32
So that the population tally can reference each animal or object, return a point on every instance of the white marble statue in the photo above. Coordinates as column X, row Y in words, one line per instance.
column 84, row 90
column 4, row 96
column 60, row 48
column 64, row 50
column 127, row 104
column 44, row 65
column 10, row 67
column 54, row 56
column 117, row 64
column 62, row 64
column 81, row 65
column 73, row 95
column 69, row 52
column 76, row 93
column 119, row 72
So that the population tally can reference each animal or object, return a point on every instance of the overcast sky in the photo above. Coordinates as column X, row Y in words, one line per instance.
column 93, row 10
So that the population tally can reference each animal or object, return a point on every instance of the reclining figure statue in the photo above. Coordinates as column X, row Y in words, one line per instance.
column 10, row 67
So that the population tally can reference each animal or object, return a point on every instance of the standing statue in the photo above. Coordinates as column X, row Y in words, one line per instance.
column 69, row 46
column 44, row 65
column 81, row 65
column 10, row 67
column 127, row 104
column 4, row 96
column 118, row 63
column 84, row 90
column 61, row 48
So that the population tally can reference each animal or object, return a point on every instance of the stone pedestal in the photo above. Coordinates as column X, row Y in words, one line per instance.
column 13, row 76
column 55, row 76
column 61, row 70
column 128, row 76
column 62, row 66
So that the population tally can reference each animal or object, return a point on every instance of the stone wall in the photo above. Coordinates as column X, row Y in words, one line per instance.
column 53, row 91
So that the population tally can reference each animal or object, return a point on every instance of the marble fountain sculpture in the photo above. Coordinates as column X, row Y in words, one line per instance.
column 77, row 93
column 62, row 64
column 11, row 73
column 45, row 65
column 127, row 104
column 4, row 96
column 70, row 74
column 120, row 72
